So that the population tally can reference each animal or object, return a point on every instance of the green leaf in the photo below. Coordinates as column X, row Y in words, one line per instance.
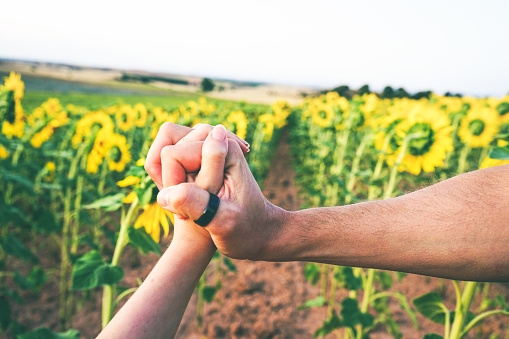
column 317, row 302
column 430, row 305
column 91, row 271
column 45, row 221
column 352, row 315
column 37, row 277
column 501, row 153
column 330, row 324
column 144, row 194
column 229, row 264
column 109, row 274
column 11, row 245
column 5, row 312
column 432, row 336
column 21, row 281
column 312, row 273
column 46, row 333
column 208, row 293
column 384, row 279
column 347, row 279
column 109, row 203
column 20, row 179
column 401, row 275
column 140, row 239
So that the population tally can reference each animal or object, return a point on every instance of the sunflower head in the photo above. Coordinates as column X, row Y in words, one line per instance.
column 13, row 83
column 428, row 133
column 479, row 126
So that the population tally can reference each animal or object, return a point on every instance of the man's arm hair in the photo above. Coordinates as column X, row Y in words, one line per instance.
column 457, row 229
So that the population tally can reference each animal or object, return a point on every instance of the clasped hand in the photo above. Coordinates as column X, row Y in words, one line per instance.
column 188, row 163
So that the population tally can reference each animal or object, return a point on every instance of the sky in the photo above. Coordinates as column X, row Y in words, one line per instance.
column 457, row 46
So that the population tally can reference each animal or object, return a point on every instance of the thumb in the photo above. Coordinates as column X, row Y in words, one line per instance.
column 214, row 151
column 186, row 199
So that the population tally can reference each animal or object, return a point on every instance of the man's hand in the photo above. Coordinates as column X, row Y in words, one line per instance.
column 194, row 155
column 246, row 224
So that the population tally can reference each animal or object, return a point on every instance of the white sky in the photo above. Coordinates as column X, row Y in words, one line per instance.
column 459, row 46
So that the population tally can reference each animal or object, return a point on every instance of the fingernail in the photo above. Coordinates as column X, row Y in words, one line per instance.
column 219, row 133
column 162, row 197
column 197, row 125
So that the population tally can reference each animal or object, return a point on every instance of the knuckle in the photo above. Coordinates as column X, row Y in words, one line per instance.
column 166, row 127
column 148, row 169
column 182, row 196
column 166, row 152
column 234, row 147
column 215, row 153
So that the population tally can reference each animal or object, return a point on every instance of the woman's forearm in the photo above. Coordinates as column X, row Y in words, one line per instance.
column 456, row 229
column 155, row 310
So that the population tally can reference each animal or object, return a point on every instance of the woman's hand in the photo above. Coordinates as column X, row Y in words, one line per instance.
column 190, row 155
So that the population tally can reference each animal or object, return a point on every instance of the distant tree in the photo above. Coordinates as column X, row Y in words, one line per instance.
column 388, row 92
column 207, row 85
column 401, row 93
column 343, row 91
column 420, row 95
column 363, row 90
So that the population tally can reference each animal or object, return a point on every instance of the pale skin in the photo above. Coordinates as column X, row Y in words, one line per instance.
column 455, row 229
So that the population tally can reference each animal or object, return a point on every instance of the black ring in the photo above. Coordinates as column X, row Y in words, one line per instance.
column 209, row 212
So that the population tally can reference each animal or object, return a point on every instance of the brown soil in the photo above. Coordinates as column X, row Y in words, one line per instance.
column 259, row 301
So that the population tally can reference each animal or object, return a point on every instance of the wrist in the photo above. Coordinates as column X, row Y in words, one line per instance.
column 280, row 245
column 301, row 237
column 198, row 247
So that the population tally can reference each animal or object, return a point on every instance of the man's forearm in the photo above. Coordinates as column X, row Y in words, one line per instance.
column 155, row 310
column 456, row 229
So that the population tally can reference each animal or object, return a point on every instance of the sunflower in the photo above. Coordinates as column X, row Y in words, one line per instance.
column 429, row 130
column 98, row 151
column 140, row 115
column 385, row 125
column 49, row 169
column 52, row 107
column 238, row 120
column 371, row 102
column 47, row 131
column 118, row 152
column 322, row 115
column 479, row 126
column 93, row 121
column 152, row 216
column 125, row 118
column 488, row 162
column 14, row 125
column 268, row 126
column 13, row 83
column 204, row 107
column 129, row 181
column 281, row 110
column 4, row 153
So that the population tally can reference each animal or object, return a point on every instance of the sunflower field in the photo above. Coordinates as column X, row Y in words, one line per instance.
column 370, row 148
column 74, row 177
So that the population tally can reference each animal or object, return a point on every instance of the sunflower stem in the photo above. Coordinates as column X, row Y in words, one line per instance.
column 394, row 170
column 122, row 240
column 462, row 162
column 355, row 167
